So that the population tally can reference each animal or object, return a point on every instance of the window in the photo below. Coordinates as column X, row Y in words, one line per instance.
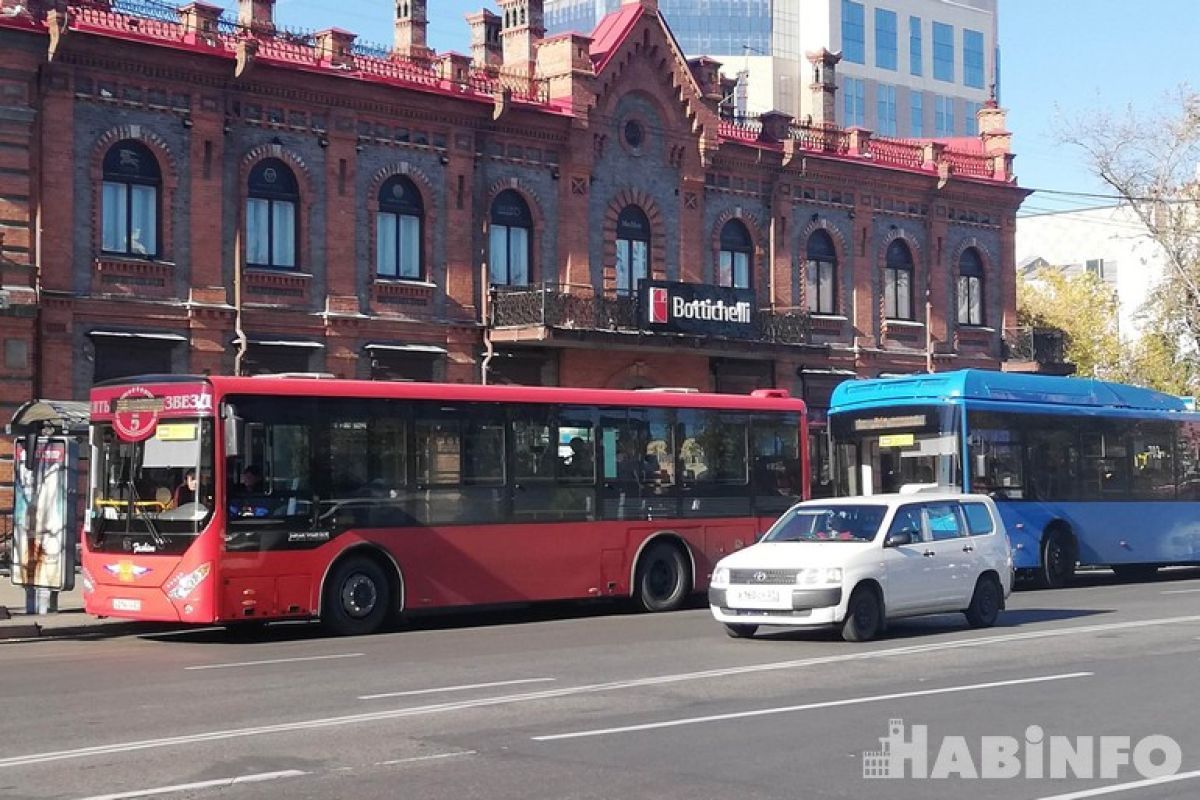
column 508, row 238
column 885, row 38
column 554, row 463
column 918, row 112
column 855, row 102
column 120, row 358
column 775, row 468
column 1153, row 468
column 129, row 200
column 996, row 465
column 633, row 249
column 970, row 288
column 713, row 457
column 908, row 520
column 1187, row 443
column 915, row 65
column 1104, row 464
column 885, row 109
column 821, row 274
column 971, row 121
column 854, row 35
column 943, row 521
column 1095, row 266
column 266, row 359
column 398, row 230
column 271, row 234
column 943, row 116
column 972, row 58
column 897, row 282
column 943, row 52
column 979, row 519
column 736, row 257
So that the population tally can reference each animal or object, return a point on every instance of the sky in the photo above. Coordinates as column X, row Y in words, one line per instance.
column 1061, row 60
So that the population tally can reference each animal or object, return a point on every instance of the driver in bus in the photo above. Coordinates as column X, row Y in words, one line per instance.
column 186, row 492
column 246, row 495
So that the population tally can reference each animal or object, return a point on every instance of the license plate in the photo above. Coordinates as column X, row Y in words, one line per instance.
column 764, row 597
column 126, row 604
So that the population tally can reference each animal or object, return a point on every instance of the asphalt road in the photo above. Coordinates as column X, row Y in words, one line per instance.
column 599, row 702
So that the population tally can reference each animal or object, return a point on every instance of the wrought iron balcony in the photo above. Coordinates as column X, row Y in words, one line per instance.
column 581, row 308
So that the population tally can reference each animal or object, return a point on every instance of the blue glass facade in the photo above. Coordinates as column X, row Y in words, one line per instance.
column 854, row 32
column 716, row 27
column 943, row 52
column 885, row 38
column 973, row 58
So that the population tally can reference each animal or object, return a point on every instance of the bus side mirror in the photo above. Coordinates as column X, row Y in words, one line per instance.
column 234, row 428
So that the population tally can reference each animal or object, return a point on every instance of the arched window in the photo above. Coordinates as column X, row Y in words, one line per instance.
column 897, row 282
column 129, row 200
column 271, row 233
column 970, row 288
column 633, row 249
column 509, row 234
column 822, row 274
column 398, row 230
column 737, row 256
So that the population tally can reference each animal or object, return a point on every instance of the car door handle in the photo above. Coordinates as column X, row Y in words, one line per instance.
column 970, row 548
column 929, row 554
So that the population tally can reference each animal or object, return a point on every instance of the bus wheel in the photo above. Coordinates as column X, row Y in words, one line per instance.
column 661, row 582
column 357, row 598
column 1058, row 559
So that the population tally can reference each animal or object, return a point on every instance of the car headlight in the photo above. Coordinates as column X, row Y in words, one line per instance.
column 815, row 576
column 182, row 585
column 720, row 576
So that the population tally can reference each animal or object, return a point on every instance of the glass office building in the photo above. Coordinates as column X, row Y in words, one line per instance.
column 708, row 27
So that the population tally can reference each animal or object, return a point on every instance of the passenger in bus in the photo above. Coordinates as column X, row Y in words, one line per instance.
column 186, row 492
column 580, row 463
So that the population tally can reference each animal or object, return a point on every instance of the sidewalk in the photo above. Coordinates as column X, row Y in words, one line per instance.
column 70, row 619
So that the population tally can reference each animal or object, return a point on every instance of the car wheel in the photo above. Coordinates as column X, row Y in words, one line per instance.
column 661, row 582
column 985, row 603
column 864, row 616
column 1058, row 559
column 740, row 631
column 357, row 598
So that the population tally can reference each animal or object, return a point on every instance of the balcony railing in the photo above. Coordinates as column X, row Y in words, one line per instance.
column 580, row 307
column 1040, row 345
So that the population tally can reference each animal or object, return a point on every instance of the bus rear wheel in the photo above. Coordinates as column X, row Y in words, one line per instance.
column 662, row 581
column 357, row 598
column 1058, row 559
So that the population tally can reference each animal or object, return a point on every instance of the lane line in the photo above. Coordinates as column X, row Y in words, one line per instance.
column 415, row 759
column 852, row 701
column 1125, row 787
column 276, row 661
column 546, row 694
column 461, row 688
column 189, row 787
column 1182, row 591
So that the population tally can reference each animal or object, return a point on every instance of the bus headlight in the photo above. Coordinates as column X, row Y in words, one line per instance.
column 814, row 576
column 720, row 576
column 181, row 585
column 89, row 585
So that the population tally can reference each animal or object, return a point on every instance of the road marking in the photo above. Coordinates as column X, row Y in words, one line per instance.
column 461, row 688
column 277, row 661
column 1125, row 787
column 188, row 787
column 1182, row 591
column 567, row 691
column 763, row 712
column 425, row 758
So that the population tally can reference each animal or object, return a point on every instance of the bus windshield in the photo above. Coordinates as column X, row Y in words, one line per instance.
column 882, row 450
column 152, row 496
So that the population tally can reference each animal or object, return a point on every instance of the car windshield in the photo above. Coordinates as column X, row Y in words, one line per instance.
column 833, row 523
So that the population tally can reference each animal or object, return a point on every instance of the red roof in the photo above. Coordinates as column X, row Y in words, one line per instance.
column 611, row 32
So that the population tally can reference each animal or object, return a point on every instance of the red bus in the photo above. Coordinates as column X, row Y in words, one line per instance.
column 224, row 500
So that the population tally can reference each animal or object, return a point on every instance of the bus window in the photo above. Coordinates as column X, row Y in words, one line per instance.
column 1153, row 466
column 776, row 465
column 1105, row 465
column 996, row 466
column 715, row 469
column 1188, row 446
column 547, row 484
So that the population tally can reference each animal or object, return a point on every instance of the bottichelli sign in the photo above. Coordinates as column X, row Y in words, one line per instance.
column 696, row 308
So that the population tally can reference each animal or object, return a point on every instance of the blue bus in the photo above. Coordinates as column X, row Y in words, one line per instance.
column 1084, row 472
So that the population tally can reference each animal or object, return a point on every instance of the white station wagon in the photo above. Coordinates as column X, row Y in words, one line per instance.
column 857, row 562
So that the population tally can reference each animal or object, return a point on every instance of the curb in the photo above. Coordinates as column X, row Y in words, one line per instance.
column 33, row 631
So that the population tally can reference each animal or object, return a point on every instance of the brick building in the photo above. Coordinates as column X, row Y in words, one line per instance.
column 174, row 183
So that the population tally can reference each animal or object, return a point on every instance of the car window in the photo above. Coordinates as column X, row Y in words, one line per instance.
column 839, row 523
column 979, row 519
column 908, row 520
column 943, row 521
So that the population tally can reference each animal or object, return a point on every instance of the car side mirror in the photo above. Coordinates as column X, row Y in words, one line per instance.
column 898, row 539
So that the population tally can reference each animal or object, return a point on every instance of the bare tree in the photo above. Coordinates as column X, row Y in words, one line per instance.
column 1152, row 161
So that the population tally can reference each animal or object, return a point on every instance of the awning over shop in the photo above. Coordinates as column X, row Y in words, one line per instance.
column 282, row 343
column 57, row 417
column 431, row 349
column 161, row 337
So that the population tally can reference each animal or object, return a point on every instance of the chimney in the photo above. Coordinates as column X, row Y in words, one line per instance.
column 485, row 40
column 335, row 47
column 776, row 127
column 257, row 16
column 412, row 25
column 824, row 86
column 199, row 22
column 707, row 73
column 521, row 31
